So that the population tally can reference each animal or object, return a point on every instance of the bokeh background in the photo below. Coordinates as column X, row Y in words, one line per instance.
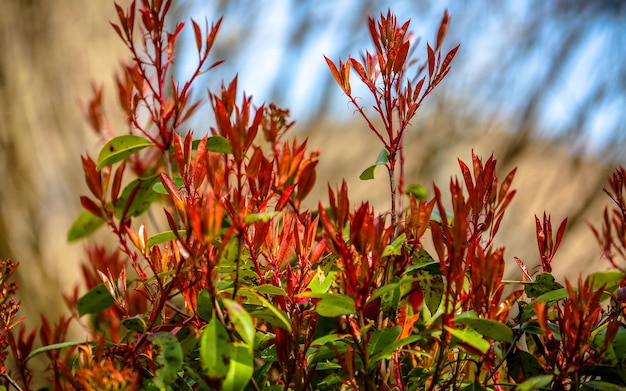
column 541, row 85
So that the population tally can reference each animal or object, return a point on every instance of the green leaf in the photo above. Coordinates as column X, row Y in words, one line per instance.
column 204, row 305
column 144, row 196
column 96, row 300
column 135, row 323
column 271, row 290
column 470, row 337
column 164, row 237
column 269, row 313
column 370, row 172
column 321, row 282
column 83, row 226
column 380, row 342
column 218, row 144
column 54, row 346
column 610, row 280
column 433, row 287
column 215, row 351
column 120, row 148
column 170, row 359
column 242, row 322
column 524, row 365
column 543, row 283
column 332, row 304
column 160, row 189
column 487, row 328
column 241, row 368
column 475, row 387
column 534, row 383
column 418, row 191
column 603, row 386
column 265, row 217
column 390, row 302
column 395, row 247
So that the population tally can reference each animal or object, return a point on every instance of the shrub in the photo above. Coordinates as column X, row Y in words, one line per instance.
column 245, row 289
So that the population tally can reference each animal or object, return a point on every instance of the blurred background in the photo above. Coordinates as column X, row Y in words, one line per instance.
column 541, row 85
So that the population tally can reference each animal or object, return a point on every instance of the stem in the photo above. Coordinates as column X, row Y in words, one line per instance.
column 12, row 382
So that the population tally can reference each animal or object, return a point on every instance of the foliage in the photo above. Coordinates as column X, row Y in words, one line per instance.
column 246, row 289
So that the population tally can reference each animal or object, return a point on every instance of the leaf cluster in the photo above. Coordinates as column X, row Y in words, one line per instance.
column 221, row 279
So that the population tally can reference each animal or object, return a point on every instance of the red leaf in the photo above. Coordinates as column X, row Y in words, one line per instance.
column 446, row 61
column 117, row 182
column 559, row 235
column 506, row 184
column 334, row 71
column 443, row 28
column 198, row 35
column 431, row 61
column 399, row 61
column 285, row 197
column 91, row 206
column 92, row 176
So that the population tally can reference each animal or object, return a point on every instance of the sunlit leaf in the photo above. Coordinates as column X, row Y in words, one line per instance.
column 242, row 322
column 470, row 337
column 332, row 304
column 418, row 191
column 120, row 148
column 55, row 346
column 83, row 226
column 320, row 283
column 241, row 368
column 164, row 237
column 395, row 247
column 534, row 383
column 160, row 189
column 265, row 217
column 271, row 290
column 96, row 300
column 269, row 313
column 487, row 328
column 215, row 350
column 218, row 144
column 370, row 172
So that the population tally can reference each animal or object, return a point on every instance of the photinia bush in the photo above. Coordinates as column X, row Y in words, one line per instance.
column 221, row 279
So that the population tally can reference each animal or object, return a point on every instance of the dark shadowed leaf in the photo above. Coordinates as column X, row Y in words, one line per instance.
column 96, row 300
column 543, row 283
column 380, row 342
column 169, row 359
column 204, row 305
column 142, row 197
column 83, row 226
